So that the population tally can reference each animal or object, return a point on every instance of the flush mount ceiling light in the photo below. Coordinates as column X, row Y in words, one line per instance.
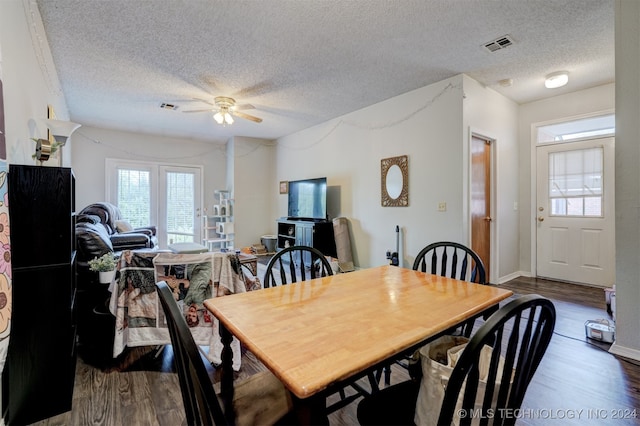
column 556, row 79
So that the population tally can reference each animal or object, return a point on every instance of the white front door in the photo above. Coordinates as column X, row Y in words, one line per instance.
column 575, row 212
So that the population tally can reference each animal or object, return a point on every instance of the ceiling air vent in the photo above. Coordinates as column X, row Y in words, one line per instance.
column 499, row 43
column 166, row 105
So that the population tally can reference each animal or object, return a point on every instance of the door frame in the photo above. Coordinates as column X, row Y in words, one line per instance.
column 606, row 221
column 154, row 169
column 493, row 176
column 533, row 185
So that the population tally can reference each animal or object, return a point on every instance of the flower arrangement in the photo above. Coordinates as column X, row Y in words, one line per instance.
column 104, row 263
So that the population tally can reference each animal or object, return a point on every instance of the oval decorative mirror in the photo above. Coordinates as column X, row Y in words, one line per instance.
column 395, row 181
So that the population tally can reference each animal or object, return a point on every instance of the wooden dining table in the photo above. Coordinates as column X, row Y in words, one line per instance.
column 318, row 334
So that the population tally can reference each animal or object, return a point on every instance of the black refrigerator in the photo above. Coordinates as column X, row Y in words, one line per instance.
column 39, row 373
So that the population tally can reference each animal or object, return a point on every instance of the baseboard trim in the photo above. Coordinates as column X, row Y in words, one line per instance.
column 511, row 276
column 625, row 352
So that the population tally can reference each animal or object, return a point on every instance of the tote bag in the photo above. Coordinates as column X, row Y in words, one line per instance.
column 438, row 359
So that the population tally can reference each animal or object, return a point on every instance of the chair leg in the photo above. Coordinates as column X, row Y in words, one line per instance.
column 387, row 375
column 159, row 350
column 378, row 375
column 374, row 379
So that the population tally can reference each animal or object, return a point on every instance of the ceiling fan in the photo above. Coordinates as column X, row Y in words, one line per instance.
column 224, row 108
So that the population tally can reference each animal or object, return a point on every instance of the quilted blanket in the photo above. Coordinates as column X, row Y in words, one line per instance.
column 140, row 320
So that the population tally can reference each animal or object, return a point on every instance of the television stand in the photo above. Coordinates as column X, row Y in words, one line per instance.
column 307, row 232
column 305, row 219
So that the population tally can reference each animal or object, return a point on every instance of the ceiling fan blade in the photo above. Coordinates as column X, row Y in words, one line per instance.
column 246, row 116
column 201, row 110
column 243, row 107
column 204, row 100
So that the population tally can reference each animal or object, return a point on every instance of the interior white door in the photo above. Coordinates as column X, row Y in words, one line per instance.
column 575, row 212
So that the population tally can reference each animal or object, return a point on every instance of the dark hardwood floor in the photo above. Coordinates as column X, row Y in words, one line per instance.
column 578, row 381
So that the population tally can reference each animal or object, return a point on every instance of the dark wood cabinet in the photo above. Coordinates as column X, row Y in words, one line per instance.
column 316, row 234
column 39, row 373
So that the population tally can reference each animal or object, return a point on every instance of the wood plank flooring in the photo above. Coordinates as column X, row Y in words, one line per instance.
column 578, row 381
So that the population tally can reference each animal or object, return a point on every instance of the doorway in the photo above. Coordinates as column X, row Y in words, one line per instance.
column 481, row 184
column 575, row 215
column 168, row 196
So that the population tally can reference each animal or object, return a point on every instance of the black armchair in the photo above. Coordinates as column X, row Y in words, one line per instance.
column 122, row 235
column 99, row 230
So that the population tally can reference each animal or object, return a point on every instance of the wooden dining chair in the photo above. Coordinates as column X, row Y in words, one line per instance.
column 259, row 399
column 453, row 260
column 299, row 263
column 296, row 263
column 516, row 336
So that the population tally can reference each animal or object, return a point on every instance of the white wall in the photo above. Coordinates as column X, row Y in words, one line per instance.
column 627, row 341
column 432, row 126
column 29, row 85
column 253, row 189
column 588, row 101
column 489, row 114
column 425, row 124
column 91, row 146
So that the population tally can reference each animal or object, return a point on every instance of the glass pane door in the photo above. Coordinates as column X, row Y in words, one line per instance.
column 134, row 196
column 181, row 204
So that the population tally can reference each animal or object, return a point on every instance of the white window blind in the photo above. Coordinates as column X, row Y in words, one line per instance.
column 575, row 182
column 134, row 196
column 180, row 206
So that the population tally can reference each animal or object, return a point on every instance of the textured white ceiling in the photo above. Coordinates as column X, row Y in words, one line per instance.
column 300, row 62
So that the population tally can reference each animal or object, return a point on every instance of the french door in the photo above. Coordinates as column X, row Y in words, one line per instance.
column 168, row 196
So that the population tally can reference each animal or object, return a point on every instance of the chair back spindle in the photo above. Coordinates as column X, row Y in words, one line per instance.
column 296, row 263
column 452, row 260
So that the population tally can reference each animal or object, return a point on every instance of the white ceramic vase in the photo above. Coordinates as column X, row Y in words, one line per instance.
column 106, row 277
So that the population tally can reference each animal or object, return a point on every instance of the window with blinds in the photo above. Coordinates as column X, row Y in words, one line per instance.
column 575, row 182
column 180, row 207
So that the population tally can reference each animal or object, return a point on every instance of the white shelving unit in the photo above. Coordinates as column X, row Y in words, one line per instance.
column 218, row 227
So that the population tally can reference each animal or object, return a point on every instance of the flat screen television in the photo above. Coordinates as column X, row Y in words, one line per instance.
column 308, row 199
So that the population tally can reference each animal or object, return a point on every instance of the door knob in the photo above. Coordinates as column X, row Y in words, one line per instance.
column 487, row 219
column 540, row 219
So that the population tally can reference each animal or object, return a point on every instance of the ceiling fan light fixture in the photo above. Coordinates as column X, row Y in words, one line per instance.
column 225, row 110
column 223, row 117
column 556, row 79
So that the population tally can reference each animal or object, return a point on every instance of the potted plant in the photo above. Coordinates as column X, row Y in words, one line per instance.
column 105, row 265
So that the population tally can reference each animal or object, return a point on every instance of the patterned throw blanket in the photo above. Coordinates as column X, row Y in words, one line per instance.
column 140, row 320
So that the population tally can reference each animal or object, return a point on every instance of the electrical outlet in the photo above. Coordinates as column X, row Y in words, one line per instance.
column 442, row 206
column 515, row 205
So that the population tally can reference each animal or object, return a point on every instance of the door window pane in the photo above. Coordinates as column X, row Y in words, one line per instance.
column 134, row 196
column 180, row 207
column 575, row 182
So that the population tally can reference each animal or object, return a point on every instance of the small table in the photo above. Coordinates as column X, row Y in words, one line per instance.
column 318, row 334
